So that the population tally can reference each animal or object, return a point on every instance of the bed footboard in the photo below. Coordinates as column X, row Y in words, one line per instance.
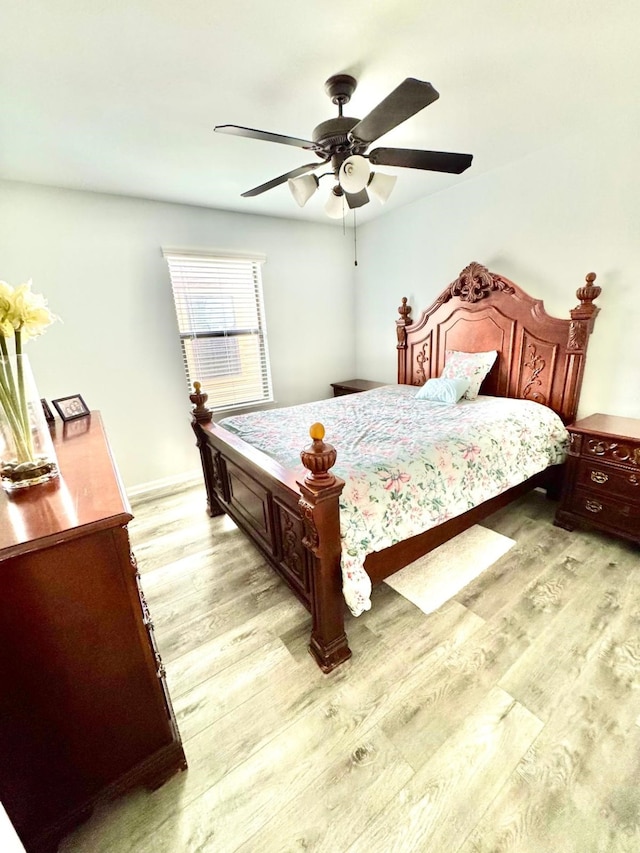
column 295, row 524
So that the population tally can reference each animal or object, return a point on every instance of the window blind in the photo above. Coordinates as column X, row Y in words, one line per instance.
column 222, row 328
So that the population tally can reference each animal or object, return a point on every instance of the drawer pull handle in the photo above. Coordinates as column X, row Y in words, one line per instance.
column 599, row 477
column 633, row 479
column 593, row 506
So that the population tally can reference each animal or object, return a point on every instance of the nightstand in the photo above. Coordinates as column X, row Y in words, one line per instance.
column 353, row 386
column 602, row 479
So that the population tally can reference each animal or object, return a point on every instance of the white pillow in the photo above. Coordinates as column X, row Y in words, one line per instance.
column 472, row 366
column 443, row 390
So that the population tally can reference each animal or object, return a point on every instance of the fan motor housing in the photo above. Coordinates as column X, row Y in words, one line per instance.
column 333, row 136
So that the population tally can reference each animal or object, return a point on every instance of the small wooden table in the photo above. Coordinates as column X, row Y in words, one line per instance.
column 354, row 386
column 602, row 480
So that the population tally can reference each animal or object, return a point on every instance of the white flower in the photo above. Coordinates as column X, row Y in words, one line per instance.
column 23, row 315
column 28, row 312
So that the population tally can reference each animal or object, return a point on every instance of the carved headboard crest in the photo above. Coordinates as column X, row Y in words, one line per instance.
column 474, row 283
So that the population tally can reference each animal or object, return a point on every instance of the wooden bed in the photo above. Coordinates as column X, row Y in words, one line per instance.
column 296, row 525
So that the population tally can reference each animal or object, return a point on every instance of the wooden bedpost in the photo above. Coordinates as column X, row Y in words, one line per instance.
column 200, row 414
column 401, row 328
column 320, row 510
column 582, row 319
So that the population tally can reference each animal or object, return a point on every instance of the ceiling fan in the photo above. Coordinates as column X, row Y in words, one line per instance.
column 342, row 142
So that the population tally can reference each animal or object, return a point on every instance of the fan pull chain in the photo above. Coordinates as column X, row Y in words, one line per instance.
column 355, row 240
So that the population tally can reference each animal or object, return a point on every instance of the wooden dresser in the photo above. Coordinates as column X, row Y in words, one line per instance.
column 84, row 709
column 602, row 479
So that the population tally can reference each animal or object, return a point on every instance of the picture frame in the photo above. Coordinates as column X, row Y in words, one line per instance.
column 72, row 407
column 48, row 414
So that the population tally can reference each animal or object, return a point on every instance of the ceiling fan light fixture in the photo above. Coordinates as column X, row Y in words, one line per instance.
column 354, row 174
column 380, row 185
column 303, row 188
column 335, row 206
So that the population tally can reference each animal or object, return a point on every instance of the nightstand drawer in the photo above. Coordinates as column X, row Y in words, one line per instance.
column 603, row 510
column 621, row 451
column 608, row 479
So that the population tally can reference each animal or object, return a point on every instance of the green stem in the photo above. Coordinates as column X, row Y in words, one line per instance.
column 7, row 382
column 6, row 377
column 22, row 397
column 16, row 425
column 4, row 362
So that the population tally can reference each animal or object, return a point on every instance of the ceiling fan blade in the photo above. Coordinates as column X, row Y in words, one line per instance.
column 409, row 158
column 406, row 100
column 357, row 199
column 251, row 133
column 275, row 182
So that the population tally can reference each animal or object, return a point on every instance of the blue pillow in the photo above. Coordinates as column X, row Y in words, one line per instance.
column 443, row 390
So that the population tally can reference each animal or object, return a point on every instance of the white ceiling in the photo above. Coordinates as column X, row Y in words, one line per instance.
column 121, row 96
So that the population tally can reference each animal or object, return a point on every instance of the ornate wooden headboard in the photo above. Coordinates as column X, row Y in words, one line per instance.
column 540, row 357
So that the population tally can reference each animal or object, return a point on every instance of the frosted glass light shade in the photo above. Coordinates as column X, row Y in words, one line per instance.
column 303, row 188
column 334, row 208
column 381, row 185
column 354, row 174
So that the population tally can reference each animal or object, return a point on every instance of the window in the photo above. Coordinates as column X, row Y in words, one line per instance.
column 222, row 329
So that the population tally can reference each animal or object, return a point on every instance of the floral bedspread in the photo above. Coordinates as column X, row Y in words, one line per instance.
column 409, row 464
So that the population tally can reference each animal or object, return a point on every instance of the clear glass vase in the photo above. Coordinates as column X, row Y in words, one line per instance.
column 27, row 456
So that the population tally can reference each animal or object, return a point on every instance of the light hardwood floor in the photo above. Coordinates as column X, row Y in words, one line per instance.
column 506, row 722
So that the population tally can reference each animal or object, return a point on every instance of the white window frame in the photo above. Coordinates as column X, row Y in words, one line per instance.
column 221, row 323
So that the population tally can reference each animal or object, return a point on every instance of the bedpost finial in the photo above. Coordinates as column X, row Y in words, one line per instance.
column 586, row 294
column 316, row 431
column 200, row 412
column 590, row 291
column 404, row 310
column 318, row 457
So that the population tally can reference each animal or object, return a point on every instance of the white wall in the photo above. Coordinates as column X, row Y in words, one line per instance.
column 544, row 222
column 97, row 259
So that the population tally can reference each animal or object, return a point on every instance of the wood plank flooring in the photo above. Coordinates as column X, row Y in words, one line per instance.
column 508, row 721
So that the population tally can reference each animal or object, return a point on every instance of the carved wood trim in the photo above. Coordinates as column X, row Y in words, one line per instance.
column 474, row 283
column 421, row 359
column 537, row 364
column 220, row 479
column 575, row 444
column 290, row 541
column 311, row 540
column 613, row 450
column 578, row 333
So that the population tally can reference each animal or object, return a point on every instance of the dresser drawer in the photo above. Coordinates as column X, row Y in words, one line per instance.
column 607, row 479
column 604, row 510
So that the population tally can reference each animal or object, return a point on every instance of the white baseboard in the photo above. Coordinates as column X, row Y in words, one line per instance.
column 168, row 484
